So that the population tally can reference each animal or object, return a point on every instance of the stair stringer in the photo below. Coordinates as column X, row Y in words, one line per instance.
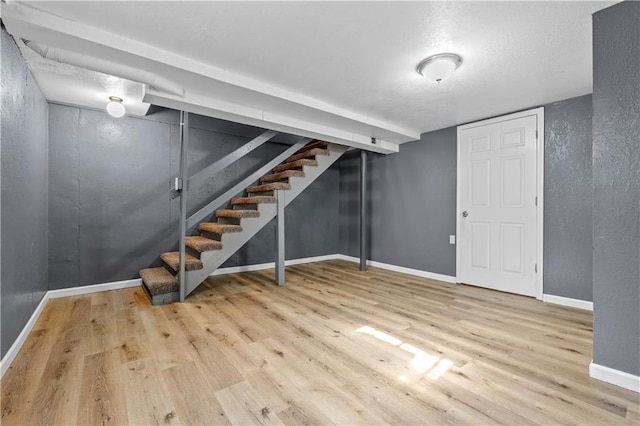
column 232, row 242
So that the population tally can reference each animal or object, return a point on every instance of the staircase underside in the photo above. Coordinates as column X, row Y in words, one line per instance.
column 235, row 226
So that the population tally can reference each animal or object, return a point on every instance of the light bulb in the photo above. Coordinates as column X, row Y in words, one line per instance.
column 115, row 107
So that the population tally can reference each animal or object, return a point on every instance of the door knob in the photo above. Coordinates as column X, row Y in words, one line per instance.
column 465, row 214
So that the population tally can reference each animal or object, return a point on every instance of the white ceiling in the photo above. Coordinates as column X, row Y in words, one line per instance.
column 340, row 70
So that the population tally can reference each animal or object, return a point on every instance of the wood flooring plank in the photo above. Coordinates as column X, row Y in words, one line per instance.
column 244, row 406
column 195, row 402
column 149, row 401
column 103, row 392
column 58, row 384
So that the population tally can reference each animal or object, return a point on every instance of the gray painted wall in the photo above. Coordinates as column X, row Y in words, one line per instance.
column 568, row 242
column 110, row 210
column 23, row 144
column 413, row 202
column 616, row 187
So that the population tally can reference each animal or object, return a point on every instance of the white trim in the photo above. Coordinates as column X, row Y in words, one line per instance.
column 22, row 337
column 539, row 113
column 95, row 288
column 615, row 377
column 566, row 301
column 401, row 269
column 269, row 265
column 540, row 199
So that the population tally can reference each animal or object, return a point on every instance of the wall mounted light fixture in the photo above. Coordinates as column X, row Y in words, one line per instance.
column 115, row 107
column 438, row 67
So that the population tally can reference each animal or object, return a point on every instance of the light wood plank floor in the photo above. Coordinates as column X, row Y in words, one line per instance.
column 335, row 346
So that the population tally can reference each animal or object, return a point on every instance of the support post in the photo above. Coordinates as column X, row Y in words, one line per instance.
column 184, row 143
column 280, row 237
column 363, row 210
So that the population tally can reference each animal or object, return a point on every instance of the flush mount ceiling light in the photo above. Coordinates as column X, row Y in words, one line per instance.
column 438, row 67
column 115, row 107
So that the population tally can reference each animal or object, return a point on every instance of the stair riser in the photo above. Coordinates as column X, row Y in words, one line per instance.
column 263, row 194
column 310, row 154
column 233, row 242
column 290, row 166
column 229, row 220
column 254, row 200
column 162, row 299
column 192, row 252
column 245, row 207
column 281, row 180
column 282, row 176
column 211, row 235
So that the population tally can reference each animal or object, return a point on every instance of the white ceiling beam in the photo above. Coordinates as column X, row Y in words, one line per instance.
column 256, row 117
column 280, row 107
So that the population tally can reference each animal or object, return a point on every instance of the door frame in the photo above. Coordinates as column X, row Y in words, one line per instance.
column 539, row 113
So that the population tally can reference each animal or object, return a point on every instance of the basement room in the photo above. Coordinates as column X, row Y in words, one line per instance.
column 320, row 213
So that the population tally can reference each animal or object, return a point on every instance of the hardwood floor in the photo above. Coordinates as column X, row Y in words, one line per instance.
column 335, row 346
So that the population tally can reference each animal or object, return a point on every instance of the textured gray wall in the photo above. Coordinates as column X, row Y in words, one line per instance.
column 412, row 204
column 568, row 243
column 110, row 210
column 616, row 187
column 23, row 144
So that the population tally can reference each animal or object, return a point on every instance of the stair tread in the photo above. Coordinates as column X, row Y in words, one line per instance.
column 219, row 228
column 172, row 259
column 201, row 244
column 159, row 281
column 237, row 213
column 282, row 175
column 295, row 165
column 313, row 144
column 269, row 187
column 310, row 153
column 253, row 200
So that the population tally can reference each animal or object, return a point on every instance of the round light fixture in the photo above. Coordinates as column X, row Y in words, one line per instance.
column 438, row 67
column 115, row 107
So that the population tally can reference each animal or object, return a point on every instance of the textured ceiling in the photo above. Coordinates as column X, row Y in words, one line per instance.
column 360, row 57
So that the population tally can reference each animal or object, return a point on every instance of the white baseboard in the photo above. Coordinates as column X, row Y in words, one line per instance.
column 22, row 337
column 401, row 269
column 262, row 266
column 409, row 271
column 54, row 294
column 566, row 301
column 95, row 288
column 615, row 377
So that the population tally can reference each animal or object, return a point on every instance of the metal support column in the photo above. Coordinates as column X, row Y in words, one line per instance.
column 181, row 184
column 280, row 237
column 363, row 210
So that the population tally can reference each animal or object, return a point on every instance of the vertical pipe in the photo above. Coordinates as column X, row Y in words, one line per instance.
column 184, row 143
column 363, row 210
column 280, row 237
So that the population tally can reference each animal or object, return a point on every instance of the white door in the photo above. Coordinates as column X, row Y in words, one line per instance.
column 497, row 222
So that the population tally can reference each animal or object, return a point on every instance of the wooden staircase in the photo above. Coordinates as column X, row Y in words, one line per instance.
column 234, row 227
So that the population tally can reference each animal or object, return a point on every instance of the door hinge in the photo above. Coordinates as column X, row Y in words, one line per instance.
column 177, row 184
column 536, row 135
column 536, row 201
column 535, row 267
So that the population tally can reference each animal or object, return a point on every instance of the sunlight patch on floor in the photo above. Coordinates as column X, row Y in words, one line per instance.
column 421, row 363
